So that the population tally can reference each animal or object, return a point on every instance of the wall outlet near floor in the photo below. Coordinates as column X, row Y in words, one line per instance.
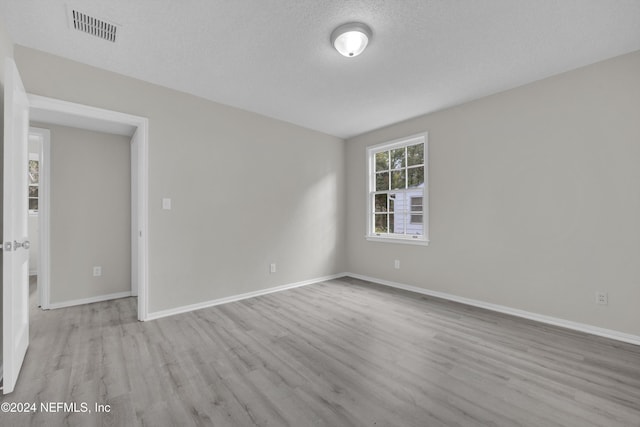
column 97, row 271
column 272, row 267
column 602, row 298
column 396, row 264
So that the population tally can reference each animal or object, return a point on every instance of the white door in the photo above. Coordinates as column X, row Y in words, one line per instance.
column 15, row 254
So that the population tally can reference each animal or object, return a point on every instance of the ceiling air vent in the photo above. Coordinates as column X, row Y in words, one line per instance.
column 91, row 25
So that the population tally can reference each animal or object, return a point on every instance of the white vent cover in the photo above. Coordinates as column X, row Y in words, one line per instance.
column 91, row 25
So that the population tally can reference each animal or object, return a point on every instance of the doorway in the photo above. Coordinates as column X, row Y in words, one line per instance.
column 38, row 141
column 62, row 113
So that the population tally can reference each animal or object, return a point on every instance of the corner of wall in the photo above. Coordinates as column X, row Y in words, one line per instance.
column 6, row 49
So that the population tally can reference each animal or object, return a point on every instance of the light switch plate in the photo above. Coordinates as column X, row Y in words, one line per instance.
column 166, row 204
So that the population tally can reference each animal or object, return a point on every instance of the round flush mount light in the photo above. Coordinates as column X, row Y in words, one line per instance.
column 351, row 39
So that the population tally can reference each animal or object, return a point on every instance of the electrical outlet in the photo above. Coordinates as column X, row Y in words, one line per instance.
column 272, row 267
column 602, row 298
column 396, row 264
column 97, row 271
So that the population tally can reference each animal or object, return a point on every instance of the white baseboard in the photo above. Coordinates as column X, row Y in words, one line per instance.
column 211, row 303
column 576, row 326
column 90, row 300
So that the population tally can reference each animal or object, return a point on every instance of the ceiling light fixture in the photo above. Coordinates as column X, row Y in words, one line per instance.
column 351, row 39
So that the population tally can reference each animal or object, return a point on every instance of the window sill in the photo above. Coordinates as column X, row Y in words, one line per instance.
column 401, row 240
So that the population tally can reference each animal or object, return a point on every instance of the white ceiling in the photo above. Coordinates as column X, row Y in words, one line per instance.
column 274, row 57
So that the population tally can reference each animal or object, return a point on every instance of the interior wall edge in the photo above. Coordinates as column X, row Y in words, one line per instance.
column 90, row 300
column 239, row 297
column 550, row 320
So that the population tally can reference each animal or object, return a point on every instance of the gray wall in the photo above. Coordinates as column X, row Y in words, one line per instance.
column 90, row 223
column 534, row 198
column 247, row 190
column 6, row 50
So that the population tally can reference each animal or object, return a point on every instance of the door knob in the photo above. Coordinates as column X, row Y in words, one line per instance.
column 26, row 245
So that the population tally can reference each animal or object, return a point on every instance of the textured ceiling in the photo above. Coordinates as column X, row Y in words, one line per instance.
column 274, row 57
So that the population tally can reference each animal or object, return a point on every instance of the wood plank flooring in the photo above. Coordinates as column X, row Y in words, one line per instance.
column 338, row 353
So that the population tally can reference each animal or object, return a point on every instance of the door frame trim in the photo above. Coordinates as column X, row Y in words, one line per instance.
column 43, row 213
column 139, row 169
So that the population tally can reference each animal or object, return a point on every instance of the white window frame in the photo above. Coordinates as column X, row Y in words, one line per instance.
column 371, row 235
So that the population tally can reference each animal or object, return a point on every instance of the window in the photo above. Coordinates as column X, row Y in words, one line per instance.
column 416, row 210
column 33, row 179
column 397, row 194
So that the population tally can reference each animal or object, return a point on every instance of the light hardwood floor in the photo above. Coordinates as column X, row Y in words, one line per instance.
column 338, row 353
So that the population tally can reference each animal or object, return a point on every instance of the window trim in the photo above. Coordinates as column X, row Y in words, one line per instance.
column 370, row 235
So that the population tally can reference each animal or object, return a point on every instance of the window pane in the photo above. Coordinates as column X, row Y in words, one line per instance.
column 416, row 219
column 33, row 204
column 402, row 225
column 398, row 179
column 415, row 154
column 380, row 224
column 382, row 181
column 397, row 203
column 382, row 161
column 397, row 158
column 33, row 177
column 416, row 176
column 380, row 204
column 33, row 171
column 33, row 191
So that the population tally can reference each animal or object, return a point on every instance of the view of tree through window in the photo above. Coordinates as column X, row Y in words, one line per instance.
column 398, row 189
